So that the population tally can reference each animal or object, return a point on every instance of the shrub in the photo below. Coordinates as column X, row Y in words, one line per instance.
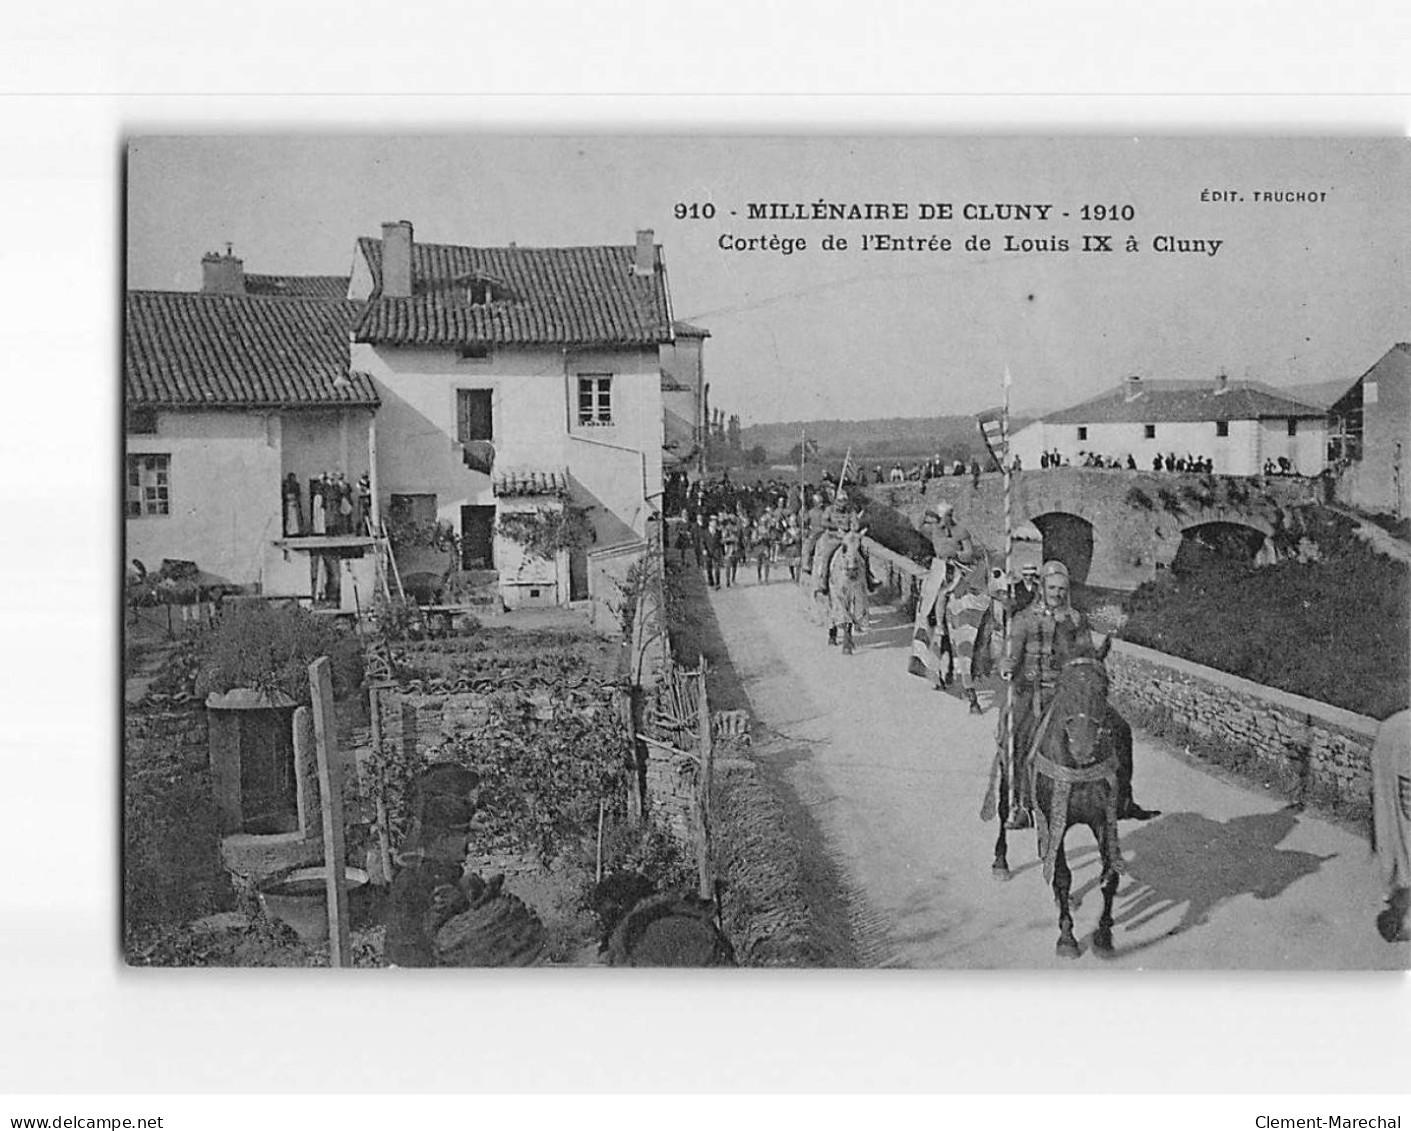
column 541, row 777
column 269, row 648
column 1337, row 630
column 1138, row 499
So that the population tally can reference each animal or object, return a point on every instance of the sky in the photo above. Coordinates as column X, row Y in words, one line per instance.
column 1296, row 292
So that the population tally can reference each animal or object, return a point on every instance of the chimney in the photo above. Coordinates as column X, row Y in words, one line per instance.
column 1131, row 387
column 397, row 259
column 645, row 262
column 222, row 274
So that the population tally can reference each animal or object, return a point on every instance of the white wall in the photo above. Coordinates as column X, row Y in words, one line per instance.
column 1242, row 452
column 534, row 405
column 224, row 492
column 1308, row 451
column 318, row 440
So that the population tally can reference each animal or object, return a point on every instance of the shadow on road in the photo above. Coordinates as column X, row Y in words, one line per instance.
column 1188, row 862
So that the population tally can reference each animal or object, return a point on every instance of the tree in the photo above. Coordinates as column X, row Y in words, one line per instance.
column 732, row 433
column 757, row 456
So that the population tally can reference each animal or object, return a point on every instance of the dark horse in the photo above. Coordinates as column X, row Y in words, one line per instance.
column 1081, row 767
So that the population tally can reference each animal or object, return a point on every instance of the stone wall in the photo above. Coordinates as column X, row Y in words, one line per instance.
column 671, row 794
column 181, row 735
column 1318, row 751
column 1129, row 543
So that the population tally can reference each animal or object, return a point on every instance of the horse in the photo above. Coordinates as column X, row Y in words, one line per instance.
column 847, row 589
column 948, row 619
column 1077, row 766
column 1011, row 795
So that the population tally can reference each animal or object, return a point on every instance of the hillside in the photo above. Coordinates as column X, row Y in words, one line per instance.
column 952, row 436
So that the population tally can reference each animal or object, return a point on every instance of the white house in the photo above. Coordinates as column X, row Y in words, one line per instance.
column 515, row 379
column 683, row 392
column 228, row 393
column 1238, row 425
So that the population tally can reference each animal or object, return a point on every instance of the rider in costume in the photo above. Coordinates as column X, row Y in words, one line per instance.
column 1040, row 635
column 953, row 550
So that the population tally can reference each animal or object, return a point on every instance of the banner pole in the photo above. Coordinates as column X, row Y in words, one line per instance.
column 1007, row 465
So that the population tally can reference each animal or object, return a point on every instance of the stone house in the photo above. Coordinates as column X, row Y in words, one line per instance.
column 1370, row 425
column 1238, row 425
column 228, row 392
column 516, row 379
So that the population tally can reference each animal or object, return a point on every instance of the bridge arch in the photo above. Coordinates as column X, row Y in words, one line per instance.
column 1068, row 538
column 1225, row 540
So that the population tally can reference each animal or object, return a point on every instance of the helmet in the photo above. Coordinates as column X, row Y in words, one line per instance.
column 944, row 509
column 1054, row 567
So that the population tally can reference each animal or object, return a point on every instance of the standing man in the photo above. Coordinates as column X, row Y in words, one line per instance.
column 1027, row 591
column 713, row 549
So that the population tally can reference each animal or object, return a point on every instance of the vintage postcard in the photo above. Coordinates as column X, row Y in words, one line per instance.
column 798, row 551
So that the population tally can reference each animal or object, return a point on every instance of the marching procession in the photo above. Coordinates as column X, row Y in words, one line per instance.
column 1063, row 755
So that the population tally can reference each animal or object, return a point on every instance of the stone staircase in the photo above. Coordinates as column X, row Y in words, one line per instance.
column 477, row 590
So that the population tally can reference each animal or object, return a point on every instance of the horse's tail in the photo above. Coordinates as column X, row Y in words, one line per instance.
column 989, row 808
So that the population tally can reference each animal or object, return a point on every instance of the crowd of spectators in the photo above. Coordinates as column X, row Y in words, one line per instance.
column 1162, row 461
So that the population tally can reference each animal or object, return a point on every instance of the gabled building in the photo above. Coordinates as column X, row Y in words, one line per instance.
column 1239, row 425
column 683, row 395
column 1370, row 427
column 515, row 379
column 239, row 401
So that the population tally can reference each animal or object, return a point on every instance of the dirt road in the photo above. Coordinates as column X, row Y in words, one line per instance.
column 893, row 774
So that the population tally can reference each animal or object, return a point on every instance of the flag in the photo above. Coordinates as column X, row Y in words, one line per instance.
column 992, row 426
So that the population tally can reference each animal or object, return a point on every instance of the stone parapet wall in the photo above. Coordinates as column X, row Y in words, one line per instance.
column 1129, row 542
column 1316, row 749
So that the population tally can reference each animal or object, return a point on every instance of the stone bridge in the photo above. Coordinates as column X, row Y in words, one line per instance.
column 1116, row 529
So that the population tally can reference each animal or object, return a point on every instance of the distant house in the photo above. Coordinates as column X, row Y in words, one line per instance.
column 515, row 379
column 228, row 393
column 1238, row 425
column 1370, row 427
column 683, row 395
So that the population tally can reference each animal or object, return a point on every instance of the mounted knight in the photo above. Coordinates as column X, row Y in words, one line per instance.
column 944, row 612
column 1040, row 637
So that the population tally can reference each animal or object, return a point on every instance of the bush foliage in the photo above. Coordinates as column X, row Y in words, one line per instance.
column 269, row 648
column 1337, row 630
column 542, row 772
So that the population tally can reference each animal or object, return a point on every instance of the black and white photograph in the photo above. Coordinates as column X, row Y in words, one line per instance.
column 762, row 551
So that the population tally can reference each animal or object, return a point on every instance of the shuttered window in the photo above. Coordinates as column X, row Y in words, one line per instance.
column 474, row 417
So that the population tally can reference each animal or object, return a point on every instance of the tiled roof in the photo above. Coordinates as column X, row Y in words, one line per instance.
column 529, row 481
column 1189, row 401
column 334, row 287
column 687, row 330
column 539, row 296
column 187, row 349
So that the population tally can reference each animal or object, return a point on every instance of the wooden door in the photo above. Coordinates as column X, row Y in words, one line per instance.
column 477, row 537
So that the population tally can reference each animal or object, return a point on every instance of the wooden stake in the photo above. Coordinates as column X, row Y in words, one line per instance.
column 384, row 835
column 330, row 784
column 602, row 810
column 707, row 887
